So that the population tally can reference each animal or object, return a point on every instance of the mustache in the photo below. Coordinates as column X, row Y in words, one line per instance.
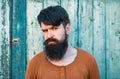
column 50, row 40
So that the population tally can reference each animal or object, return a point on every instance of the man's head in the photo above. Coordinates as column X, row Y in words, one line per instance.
column 53, row 15
column 55, row 24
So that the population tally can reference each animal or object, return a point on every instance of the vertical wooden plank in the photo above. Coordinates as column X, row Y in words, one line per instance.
column 34, row 33
column 71, row 7
column 113, row 38
column 99, row 15
column 4, row 40
column 51, row 3
column 18, row 36
column 85, row 20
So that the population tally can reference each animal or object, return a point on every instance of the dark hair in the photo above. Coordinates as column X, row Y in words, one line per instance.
column 53, row 15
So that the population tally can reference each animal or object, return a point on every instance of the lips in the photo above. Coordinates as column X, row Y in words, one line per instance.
column 52, row 43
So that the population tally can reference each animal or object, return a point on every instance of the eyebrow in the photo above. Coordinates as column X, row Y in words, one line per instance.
column 49, row 28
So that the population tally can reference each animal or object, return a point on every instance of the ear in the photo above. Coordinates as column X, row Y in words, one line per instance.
column 68, row 28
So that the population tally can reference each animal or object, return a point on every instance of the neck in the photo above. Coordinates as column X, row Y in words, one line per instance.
column 68, row 58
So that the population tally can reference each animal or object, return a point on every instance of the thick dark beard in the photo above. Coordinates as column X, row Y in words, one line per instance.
column 56, row 51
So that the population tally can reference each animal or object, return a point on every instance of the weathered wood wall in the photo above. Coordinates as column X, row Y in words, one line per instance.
column 18, row 38
column 4, row 40
column 95, row 27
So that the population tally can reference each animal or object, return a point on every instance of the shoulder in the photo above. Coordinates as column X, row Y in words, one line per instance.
column 82, row 54
column 37, row 58
column 34, row 65
column 86, row 58
column 89, row 61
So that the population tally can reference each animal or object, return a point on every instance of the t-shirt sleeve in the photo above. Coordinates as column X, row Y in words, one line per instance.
column 93, row 69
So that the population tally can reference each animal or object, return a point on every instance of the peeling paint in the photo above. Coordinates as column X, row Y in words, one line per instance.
column 4, row 31
column 118, row 35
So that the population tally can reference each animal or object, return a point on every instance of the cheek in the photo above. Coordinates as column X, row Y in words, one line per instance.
column 62, row 36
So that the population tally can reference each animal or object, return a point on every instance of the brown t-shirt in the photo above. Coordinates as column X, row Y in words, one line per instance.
column 83, row 67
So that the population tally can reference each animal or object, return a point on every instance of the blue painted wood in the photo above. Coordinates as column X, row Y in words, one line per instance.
column 85, row 25
column 18, row 39
column 47, row 3
column 4, row 40
column 34, row 46
column 113, row 39
column 99, row 36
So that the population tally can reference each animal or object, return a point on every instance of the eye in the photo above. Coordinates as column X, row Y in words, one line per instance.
column 44, row 30
column 55, row 28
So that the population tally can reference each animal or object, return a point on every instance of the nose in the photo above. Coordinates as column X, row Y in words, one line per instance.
column 50, row 34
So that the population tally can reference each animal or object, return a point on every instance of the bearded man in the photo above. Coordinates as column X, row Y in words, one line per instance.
column 59, row 60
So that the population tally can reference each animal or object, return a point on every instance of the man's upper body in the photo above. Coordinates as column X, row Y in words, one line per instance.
column 83, row 67
column 59, row 60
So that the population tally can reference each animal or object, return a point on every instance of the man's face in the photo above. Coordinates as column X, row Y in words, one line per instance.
column 55, row 40
column 56, row 32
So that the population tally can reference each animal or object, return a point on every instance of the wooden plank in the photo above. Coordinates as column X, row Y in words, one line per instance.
column 34, row 33
column 85, row 20
column 4, row 40
column 51, row 3
column 84, row 27
column 113, row 39
column 18, row 35
column 99, row 15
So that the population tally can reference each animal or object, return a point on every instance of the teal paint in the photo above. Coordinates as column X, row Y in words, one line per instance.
column 112, row 41
column 18, row 31
column 4, row 41
column 5, row 57
column 99, row 40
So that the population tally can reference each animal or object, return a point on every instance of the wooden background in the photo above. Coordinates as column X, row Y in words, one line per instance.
column 95, row 27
